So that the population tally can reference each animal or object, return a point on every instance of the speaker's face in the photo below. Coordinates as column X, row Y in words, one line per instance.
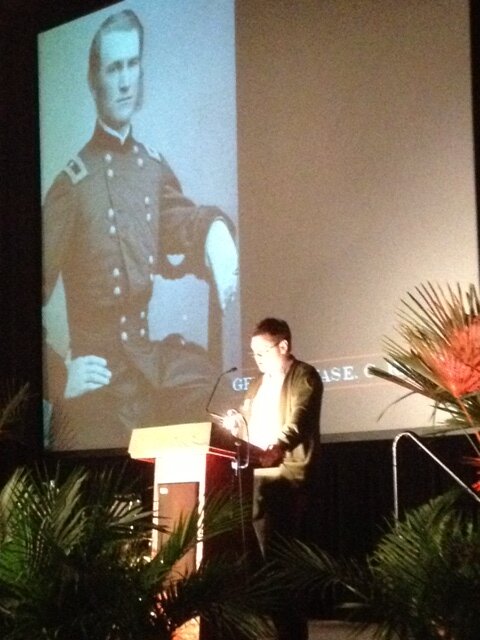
column 269, row 354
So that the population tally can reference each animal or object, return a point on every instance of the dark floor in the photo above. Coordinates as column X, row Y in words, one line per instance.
column 317, row 630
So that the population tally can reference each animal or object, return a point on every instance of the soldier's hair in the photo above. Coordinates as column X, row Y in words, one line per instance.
column 126, row 20
column 274, row 327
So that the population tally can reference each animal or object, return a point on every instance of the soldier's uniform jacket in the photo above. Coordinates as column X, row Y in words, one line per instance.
column 110, row 218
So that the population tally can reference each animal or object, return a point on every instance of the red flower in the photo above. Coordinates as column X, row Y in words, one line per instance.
column 476, row 486
column 455, row 360
column 474, row 462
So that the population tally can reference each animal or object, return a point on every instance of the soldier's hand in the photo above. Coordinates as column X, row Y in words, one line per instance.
column 222, row 258
column 86, row 373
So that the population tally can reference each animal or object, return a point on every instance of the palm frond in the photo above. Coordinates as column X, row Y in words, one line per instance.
column 220, row 515
column 423, row 576
column 75, row 564
column 229, row 600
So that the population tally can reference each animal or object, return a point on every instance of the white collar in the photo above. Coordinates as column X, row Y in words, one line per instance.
column 114, row 132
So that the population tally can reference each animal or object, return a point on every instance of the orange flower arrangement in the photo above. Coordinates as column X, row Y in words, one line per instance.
column 439, row 356
column 456, row 363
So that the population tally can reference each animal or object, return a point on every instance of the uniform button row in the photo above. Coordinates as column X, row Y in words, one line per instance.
column 125, row 335
column 113, row 229
column 116, row 274
column 111, row 172
column 142, row 314
column 108, row 159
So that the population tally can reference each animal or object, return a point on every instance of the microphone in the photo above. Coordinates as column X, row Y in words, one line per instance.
column 207, row 406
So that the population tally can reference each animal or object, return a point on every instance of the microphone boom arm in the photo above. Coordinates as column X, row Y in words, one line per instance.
column 217, row 382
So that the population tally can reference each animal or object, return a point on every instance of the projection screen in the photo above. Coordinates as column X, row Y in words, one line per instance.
column 333, row 142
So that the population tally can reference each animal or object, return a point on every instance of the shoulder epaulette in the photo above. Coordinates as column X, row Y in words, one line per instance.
column 76, row 170
column 153, row 153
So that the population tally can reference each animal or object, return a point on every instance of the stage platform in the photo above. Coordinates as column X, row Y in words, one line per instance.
column 336, row 630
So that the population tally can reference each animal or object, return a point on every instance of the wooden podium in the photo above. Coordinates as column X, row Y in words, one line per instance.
column 192, row 461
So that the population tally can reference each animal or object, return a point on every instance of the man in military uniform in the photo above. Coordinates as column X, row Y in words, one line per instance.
column 110, row 218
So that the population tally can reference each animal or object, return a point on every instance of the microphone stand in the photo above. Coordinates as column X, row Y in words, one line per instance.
column 238, row 467
column 217, row 382
column 237, row 464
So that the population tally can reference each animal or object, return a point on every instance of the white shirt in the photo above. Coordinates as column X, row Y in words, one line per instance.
column 264, row 425
column 114, row 132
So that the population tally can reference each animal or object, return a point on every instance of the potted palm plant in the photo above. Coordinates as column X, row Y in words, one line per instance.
column 420, row 583
column 75, row 564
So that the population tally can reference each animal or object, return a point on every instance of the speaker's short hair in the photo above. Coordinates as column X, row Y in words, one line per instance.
column 274, row 327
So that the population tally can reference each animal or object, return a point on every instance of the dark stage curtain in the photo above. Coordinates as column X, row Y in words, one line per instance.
column 355, row 496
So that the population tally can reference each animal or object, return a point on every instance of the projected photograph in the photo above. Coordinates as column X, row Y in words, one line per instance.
column 183, row 138
column 139, row 218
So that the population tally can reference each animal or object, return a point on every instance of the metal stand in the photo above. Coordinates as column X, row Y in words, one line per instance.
column 417, row 441
column 238, row 467
column 237, row 463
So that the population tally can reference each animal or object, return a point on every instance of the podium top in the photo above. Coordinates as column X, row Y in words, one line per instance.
column 151, row 442
column 197, row 437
